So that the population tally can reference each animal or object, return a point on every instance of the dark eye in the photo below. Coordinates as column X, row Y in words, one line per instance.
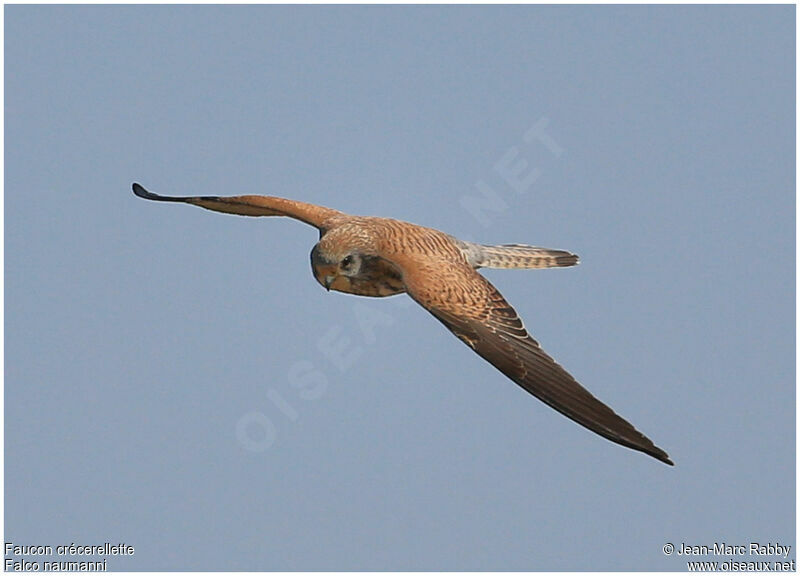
column 347, row 261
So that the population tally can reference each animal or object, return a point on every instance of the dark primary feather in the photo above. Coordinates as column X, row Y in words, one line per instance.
column 317, row 216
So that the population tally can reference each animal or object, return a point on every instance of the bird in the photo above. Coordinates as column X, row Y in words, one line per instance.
column 379, row 257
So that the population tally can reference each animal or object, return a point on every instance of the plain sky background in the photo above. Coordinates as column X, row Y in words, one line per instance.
column 158, row 356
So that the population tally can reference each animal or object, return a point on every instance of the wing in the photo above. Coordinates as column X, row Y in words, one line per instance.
column 477, row 313
column 317, row 216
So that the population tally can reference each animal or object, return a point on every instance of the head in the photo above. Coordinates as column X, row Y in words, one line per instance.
column 346, row 260
column 335, row 269
column 338, row 258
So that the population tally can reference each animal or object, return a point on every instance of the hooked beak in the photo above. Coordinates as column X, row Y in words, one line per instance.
column 325, row 274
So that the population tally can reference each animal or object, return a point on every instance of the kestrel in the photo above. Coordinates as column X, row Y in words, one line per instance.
column 378, row 257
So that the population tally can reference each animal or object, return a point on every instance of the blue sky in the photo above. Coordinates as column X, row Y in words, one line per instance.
column 175, row 379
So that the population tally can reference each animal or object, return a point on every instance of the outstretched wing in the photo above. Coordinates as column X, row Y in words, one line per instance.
column 252, row 206
column 477, row 313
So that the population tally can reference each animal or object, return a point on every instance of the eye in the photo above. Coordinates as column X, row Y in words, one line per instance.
column 347, row 262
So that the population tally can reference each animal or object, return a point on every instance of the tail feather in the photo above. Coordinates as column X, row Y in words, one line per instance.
column 521, row 256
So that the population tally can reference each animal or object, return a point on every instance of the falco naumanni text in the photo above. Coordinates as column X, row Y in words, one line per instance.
column 380, row 257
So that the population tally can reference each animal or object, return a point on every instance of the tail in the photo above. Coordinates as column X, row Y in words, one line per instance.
column 519, row 256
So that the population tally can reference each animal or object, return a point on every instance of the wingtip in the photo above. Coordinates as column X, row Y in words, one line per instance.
column 666, row 460
column 660, row 455
column 141, row 192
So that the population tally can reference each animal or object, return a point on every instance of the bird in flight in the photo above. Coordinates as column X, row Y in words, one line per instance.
column 378, row 257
